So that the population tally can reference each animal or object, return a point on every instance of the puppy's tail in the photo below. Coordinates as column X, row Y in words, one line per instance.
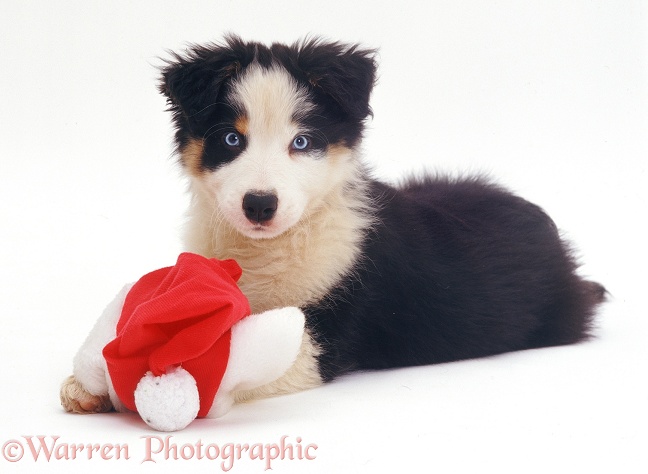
column 570, row 318
column 596, row 292
column 588, row 296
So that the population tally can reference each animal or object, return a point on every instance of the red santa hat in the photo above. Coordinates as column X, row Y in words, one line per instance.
column 178, row 316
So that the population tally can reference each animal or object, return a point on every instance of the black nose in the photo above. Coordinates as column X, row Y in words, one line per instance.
column 259, row 207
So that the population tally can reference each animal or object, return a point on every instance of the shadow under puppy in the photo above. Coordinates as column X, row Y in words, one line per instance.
column 433, row 270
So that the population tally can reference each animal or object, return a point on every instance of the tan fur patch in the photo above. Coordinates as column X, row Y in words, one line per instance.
column 242, row 125
column 191, row 156
column 337, row 153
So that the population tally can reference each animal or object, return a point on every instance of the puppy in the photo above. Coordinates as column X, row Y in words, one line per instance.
column 434, row 270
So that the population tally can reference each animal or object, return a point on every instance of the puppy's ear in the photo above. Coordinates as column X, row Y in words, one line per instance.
column 346, row 73
column 192, row 82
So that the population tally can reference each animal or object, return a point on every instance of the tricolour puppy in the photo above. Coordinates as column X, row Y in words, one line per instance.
column 431, row 271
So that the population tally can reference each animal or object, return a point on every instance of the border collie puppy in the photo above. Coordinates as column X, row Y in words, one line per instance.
column 431, row 271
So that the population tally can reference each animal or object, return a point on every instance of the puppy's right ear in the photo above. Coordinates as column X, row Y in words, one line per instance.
column 192, row 82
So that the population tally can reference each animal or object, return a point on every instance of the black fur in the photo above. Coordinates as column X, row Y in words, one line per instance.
column 451, row 269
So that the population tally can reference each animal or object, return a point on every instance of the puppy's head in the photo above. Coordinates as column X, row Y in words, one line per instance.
column 266, row 133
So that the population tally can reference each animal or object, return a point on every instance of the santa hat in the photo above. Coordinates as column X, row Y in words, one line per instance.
column 178, row 316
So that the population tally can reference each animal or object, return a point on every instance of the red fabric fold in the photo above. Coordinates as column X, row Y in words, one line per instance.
column 180, row 315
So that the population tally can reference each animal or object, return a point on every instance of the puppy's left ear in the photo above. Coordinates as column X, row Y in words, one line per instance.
column 192, row 83
column 346, row 73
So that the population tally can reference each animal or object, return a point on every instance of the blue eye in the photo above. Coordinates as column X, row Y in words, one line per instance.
column 232, row 139
column 300, row 143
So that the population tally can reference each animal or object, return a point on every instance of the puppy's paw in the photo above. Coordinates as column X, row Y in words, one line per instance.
column 75, row 399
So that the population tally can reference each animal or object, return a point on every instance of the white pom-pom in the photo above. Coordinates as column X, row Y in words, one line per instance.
column 168, row 402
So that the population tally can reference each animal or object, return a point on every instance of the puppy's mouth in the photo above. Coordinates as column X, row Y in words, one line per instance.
column 262, row 227
column 264, row 230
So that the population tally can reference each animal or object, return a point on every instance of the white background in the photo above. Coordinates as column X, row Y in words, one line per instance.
column 549, row 97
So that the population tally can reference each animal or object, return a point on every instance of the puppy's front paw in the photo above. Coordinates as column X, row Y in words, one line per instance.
column 75, row 399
